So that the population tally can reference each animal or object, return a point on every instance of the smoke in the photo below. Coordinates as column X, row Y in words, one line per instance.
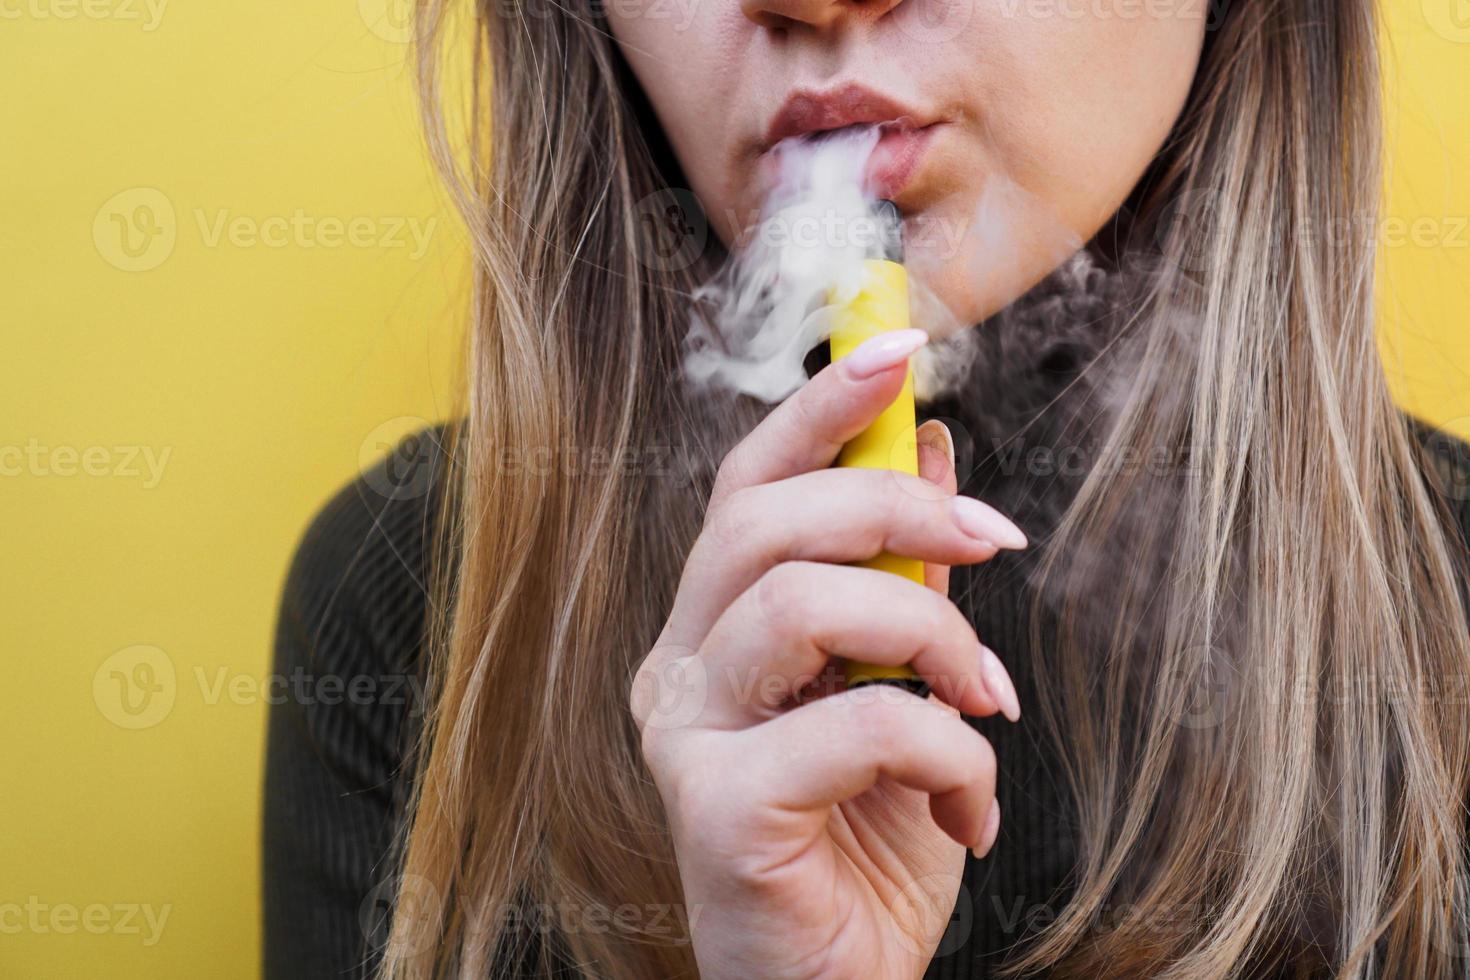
column 1029, row 393
column 755, row 321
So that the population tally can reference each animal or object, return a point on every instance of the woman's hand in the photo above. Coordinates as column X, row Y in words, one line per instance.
column 824, row 836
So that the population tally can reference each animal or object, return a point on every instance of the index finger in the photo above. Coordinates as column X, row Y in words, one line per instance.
column 807, row 430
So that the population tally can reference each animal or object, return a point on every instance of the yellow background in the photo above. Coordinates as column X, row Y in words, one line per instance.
column 268, row 369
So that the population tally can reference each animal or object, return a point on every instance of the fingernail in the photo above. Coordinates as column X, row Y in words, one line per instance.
column 990, row 833
column 985, row 523
column 936, row 435
column 878, row 354
column 998, row 683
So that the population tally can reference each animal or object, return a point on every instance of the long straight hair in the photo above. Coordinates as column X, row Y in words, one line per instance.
column 1305, row 555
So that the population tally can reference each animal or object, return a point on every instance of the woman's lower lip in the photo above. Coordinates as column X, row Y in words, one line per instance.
column 895, row 158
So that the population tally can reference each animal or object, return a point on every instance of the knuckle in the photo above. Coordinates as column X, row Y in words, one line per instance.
column 665, row 694
column 735, row 521
column 937, row 616
column 914, row 501
column 639, row 702
column 806, row 413
column 699, row 805
column 888, row 717
column 919, row 489
column 731, row 473
column 892, row 505
column 777, row 592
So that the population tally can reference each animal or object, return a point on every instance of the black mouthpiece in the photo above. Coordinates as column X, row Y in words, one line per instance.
column 890, row 230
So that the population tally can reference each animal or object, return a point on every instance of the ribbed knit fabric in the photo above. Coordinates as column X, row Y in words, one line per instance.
column 348, row 638
column 353, row 613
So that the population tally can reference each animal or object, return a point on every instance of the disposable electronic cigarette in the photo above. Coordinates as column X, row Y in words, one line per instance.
column 881, row 306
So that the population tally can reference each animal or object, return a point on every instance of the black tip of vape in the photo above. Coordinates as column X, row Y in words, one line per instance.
column 916, row 686
column 890, row 227
column 817, row 358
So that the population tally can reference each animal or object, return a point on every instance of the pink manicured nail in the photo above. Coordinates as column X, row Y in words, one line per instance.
column 998, row 683
column 990, row 833
column 985, row 523
column 878, row 354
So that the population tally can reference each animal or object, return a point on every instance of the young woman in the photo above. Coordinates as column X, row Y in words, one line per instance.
column 1230, row 736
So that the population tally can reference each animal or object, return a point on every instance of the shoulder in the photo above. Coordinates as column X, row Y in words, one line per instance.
column 365, row 560
column 1445, row 460
column 346, row 698
column 353, row 612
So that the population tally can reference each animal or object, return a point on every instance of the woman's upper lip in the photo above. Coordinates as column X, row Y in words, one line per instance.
column 807, row 111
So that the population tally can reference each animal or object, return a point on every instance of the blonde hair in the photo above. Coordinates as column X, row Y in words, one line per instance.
column 1304, row 554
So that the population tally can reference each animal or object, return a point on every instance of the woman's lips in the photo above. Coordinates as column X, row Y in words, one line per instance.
column 903, row 131
column 894, row 159
column 899, row 151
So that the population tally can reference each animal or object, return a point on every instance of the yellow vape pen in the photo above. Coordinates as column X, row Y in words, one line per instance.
column 881, row 306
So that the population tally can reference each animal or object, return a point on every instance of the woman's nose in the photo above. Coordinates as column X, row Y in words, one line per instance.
column 817, row 14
